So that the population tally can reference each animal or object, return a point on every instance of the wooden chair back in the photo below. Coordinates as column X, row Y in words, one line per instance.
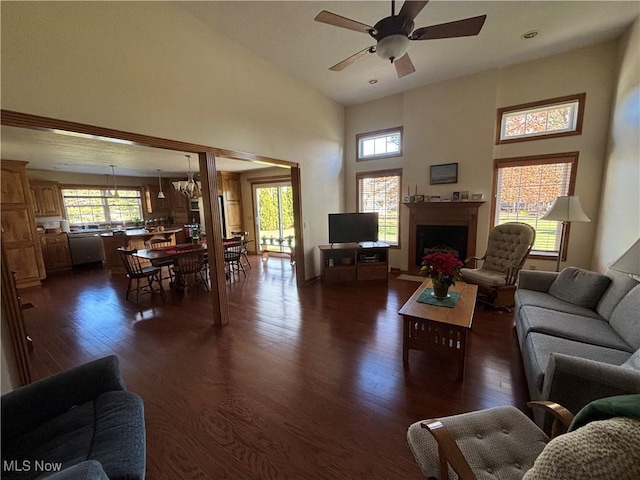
column 131, row 262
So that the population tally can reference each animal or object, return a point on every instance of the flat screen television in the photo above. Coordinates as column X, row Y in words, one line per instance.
column 353, row 227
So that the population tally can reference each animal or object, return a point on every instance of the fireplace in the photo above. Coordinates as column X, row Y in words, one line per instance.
column 441, row 238
column 442, row 225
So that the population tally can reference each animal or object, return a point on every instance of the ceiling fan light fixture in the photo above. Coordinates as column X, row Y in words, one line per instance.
column 392, row 47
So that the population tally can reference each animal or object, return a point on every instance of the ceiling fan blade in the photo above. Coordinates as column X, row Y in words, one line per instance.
column 404, row 66
column 411, row 9
column 338, row 21
column 348, row 61
column 460, row 28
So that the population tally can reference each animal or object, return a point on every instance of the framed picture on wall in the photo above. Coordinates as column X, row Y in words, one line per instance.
column 444, row 173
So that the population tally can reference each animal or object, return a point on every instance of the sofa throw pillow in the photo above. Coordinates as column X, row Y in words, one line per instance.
column 580, row 287
column 625, row 319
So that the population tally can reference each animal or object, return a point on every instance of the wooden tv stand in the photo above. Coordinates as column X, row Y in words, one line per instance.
column 354, row 262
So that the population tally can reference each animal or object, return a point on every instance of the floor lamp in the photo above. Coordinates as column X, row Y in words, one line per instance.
column 565, row 209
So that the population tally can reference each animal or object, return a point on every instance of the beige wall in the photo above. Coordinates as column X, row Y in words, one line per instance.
column 454, row 121
column 151, row 68
column 619, row 217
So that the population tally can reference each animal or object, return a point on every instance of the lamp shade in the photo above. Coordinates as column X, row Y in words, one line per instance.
column 629, row 262
column 566, row 209
column 392, row 47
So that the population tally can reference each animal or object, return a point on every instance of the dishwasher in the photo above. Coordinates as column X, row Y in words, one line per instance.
column 85, row 248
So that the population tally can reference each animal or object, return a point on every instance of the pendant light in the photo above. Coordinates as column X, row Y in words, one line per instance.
column 115, row 187
column 161, row 193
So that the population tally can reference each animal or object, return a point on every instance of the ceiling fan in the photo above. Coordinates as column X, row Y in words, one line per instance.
column 393, row 34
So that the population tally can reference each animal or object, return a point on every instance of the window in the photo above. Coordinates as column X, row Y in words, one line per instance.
column 380, row 144
column 97, row 205
column 549, row 118
column 380, row 192
column 525, row 189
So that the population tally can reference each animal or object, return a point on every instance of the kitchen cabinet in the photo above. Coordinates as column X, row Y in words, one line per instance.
column 232, row 201
column 55, row 252
column 46, row 198
column 178, row 203
column 157, row 206
column 19, row 234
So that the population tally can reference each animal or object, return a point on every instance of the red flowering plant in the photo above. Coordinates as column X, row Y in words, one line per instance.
column 442, row 267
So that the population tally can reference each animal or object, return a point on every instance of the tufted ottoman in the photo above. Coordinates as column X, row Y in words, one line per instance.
column 498, row 443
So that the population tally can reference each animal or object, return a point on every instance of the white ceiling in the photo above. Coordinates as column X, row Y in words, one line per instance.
column 285, row 34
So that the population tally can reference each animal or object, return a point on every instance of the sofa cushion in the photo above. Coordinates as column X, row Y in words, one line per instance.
column 633, row 362
column 109, row 429
column 544, row 300
column 580, row 287
column 625, row 319
column 621, row 284
column 538, row 347
column 594, row 331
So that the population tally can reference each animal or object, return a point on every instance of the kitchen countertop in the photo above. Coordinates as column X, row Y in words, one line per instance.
column 142, row 232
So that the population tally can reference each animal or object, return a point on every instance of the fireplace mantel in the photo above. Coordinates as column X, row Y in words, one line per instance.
column 442, row 213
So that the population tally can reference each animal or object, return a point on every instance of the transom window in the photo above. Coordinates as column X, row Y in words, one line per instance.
column 525, row 189
column 554, row 117
column 100, row 205
column 379, row 144
column 380, row 192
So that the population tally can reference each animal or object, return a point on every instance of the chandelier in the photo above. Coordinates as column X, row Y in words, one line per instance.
column 189, row 188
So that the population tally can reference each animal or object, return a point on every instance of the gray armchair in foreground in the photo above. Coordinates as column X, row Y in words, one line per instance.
column 81, row 423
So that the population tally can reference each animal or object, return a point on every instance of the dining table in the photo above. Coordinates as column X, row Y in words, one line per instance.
column 173, row 251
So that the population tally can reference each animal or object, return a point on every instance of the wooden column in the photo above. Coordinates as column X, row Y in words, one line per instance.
column 442, row 213
column 213, row 226
column 297, row 221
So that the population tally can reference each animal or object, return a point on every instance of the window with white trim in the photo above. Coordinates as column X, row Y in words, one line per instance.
column 525, row 189
column 550, row 118
column 379, row 144
column 380, row 192
column 99, row 205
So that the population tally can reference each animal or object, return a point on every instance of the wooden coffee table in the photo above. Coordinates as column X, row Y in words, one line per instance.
column 439, row 329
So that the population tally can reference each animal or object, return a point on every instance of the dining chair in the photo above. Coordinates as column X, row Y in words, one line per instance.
column 243, row 237
column 233, row 258
column 135, row 271
column 158, row 242
column 191, row 263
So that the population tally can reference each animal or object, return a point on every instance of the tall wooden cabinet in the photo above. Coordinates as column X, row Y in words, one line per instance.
column 232, row 200
column 46, row 198
column 19, row 234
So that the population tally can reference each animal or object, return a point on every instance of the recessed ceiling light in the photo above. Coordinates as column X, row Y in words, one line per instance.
column 373, row 81
column 529, row 35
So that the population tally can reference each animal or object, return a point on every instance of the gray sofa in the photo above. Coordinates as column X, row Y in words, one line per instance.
column 579, row 335
column 82, row 419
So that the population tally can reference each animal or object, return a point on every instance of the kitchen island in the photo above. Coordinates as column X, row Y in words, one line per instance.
column 130, row 239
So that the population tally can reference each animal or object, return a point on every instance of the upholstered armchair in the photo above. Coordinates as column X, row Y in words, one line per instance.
column 507, row 249
column 603, row 441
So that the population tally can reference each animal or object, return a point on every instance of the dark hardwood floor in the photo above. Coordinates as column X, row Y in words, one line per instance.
column 303, row 383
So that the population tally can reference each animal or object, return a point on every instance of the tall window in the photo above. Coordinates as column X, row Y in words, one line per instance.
column 549, row 118
column 379, row 144
column 98, row 205
column 525, row 189
column 380, row 192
